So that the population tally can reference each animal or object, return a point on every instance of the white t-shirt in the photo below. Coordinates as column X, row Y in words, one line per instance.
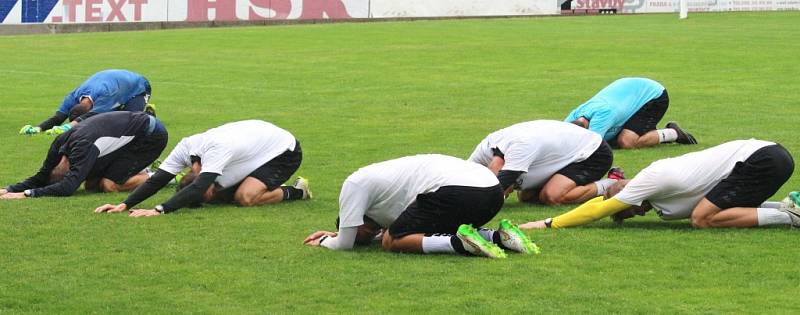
column 540, row 147
column 382, row 191
column 674, row 186
column 233, row 150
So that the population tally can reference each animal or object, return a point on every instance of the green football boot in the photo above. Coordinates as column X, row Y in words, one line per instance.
column 795, row 198
column 477, row 245
column 514, row 239
column 150, row 108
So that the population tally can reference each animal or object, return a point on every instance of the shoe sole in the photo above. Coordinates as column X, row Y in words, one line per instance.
column 486, row 248
column 528, row 245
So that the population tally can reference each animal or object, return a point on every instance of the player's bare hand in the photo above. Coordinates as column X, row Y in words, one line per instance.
column 3, row 191
column 135, row 213
column 533, row 225
column 314, row 238
column 9, row 196
column 109, row 208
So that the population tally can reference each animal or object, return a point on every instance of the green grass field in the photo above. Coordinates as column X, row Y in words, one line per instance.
column 366, row 92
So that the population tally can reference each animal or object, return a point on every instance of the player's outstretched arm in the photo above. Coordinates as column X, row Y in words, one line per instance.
column 109, row 208
column 588, row 212
column 49, row 123
column 153, row 184
column 192, row 194
column 344, row 240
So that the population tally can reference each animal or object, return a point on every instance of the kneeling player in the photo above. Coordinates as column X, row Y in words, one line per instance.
column 107, row 151
column 105, row 91
column 723, row 186
column 254, row 167
column 626, row 113
column 424, row 204
column 551, row 162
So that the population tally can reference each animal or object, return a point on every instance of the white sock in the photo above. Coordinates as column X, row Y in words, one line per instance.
column 437, row 244
column 771, row 204
column 603, row 185
column 487, row 234
column 667, row 135
column 770, row 216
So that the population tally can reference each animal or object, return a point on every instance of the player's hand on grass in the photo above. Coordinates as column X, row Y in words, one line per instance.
column 29, row 130
column 533, row 225
column 10, row 195
column 3, row 191
column 109, row 208
column 135, row 213
column 315, row 238
column 57, row 130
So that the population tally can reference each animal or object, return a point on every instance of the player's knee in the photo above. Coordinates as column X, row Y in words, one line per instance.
column 701, row 222
column 551, row 197
column 627, row 142
column 245, row 200
column 107, row 185
column 387, row 243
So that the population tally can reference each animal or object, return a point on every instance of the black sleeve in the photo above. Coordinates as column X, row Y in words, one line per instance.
column 42, row 177
column 51, row 122
column 85, row 116
column 153, row 184
column 192, row 194
column 81, row 159
column 39, row 180
column 508, row 178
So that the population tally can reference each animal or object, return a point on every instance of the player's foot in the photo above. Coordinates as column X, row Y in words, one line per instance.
column 150, row 109
column 794, row 196
column 683, row 136
column 616, row 173
column 477, row 245
column 513, row 238
column 303, row 184
column 794, row 213
column 791, row 201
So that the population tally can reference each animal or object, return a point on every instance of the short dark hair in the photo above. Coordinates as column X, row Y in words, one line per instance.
column 77, row 111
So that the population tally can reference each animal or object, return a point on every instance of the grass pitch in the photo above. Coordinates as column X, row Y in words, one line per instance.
column 361, row 93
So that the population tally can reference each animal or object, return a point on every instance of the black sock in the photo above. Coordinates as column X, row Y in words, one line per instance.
column 458, row 246
column 498, row 240
column 291, row 193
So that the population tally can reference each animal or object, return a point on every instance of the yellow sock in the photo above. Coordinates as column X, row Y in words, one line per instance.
column 588, row 212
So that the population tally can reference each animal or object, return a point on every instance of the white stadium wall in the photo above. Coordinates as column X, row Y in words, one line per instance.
column 120, row 11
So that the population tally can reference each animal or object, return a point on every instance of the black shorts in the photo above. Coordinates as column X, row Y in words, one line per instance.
column 754, row 180
column 129, row 160
column 591, row 169
column 138, row 102
column 444, row 210
column 646, row 118
column 278, row 170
